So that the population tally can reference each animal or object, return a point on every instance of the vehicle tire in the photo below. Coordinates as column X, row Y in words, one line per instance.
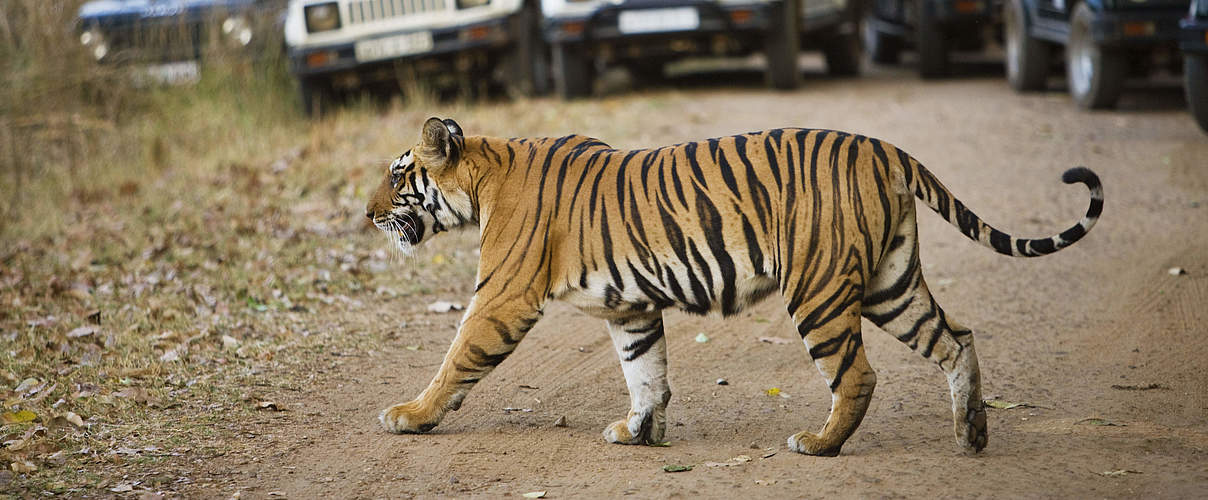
column 842, row 52
column 527, row 71
column 646, row 73
column 930, row 42
column 1095, row 74
column 882, row 48
column 314, row 96
column 782, row 46
column 1195, row 74
column 1027, row 59
column 572, row 70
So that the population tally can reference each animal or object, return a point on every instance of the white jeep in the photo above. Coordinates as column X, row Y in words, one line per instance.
column 644, row 35
column 352, row 44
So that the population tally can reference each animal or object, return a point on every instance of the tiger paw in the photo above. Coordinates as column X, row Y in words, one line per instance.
column 808, row 443
column 407, row 418
column 971, row 429
column 644, row 428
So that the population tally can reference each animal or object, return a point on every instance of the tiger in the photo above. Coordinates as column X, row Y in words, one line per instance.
column 825, row 218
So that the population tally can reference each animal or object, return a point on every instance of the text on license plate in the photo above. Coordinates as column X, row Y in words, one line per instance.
column 394, row 46
column 656, row 20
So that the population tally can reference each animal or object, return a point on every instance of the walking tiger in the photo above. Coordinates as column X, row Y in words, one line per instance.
column 825, row 218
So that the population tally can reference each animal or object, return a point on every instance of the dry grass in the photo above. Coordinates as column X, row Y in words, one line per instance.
column 170, row 255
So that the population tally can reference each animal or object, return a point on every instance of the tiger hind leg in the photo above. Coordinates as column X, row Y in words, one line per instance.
column 831, row 332
column 643, row 351
column 899, row 302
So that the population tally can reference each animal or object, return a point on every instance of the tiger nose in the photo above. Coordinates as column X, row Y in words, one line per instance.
column 369, row 214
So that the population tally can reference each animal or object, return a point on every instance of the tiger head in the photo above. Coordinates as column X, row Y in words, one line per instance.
column 420, row 194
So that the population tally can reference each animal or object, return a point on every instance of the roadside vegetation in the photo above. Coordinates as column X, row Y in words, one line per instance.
column 169, row 255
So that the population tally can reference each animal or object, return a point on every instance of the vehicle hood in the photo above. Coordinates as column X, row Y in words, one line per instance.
column 146, row 9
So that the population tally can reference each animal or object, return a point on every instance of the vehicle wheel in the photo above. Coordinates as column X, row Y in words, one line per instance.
column 782, row 45
column 842, row 52
column 1195, row 74
column 1027, row 61
column 930, row 43
column 645, row 73
column 882, row 48
column 527, row 71
column 314, row 96
column 1096, row 74
column 572, row 70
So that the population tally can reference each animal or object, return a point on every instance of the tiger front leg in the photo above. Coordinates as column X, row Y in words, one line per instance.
column 483, row 341
column 643, row 351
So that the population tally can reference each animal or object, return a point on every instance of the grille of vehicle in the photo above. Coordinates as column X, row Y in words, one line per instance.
column 365, row 11
column 145, row 41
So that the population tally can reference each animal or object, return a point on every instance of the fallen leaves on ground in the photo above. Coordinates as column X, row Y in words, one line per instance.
column 676, row 468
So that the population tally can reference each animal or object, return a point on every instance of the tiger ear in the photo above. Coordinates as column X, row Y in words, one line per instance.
column 440, row 143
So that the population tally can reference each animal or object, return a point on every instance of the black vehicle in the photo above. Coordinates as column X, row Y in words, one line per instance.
column 645, row 35
column 1194, row 43
column 173, row 31
column 934, row 28
column 1103, row 40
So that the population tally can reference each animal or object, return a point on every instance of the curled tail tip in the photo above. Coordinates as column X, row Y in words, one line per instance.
column 1081, row 174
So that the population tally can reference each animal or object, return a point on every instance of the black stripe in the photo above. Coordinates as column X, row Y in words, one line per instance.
column 639, row 347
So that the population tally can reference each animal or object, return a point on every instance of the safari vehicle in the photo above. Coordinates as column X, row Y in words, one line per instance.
column 934, row 28
column 171, row 36
column 1194, row 43
column 335, row 46
column 1104, row 41
column 645, row 35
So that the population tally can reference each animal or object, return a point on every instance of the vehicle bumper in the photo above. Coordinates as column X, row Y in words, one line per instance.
column 1137, row 29
column 317, row 60
column 1193, row 37
column 961, row 11
column 603, row 24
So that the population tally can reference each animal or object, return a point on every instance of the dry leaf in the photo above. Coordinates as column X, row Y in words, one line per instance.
column 82, row 331
column 73, row 419
column 534, row 494
column 27, row 385
column 1099, row 422
column 18, row 417
column 23, row 467
column 444, row 307
column 230, row 343
column 270, row 405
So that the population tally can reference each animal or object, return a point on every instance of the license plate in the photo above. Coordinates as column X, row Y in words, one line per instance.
column 394, row 46
column 172, row 73
column 658, row 20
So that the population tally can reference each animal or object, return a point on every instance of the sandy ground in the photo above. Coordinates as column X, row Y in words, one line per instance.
column 1101, row 331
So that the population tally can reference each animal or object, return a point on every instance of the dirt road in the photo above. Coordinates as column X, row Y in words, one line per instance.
column 1104, row 346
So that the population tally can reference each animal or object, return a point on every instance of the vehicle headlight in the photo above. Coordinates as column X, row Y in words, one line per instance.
column 237, row 29
column 322, row 17
column 94, row 41
column 465, row 4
